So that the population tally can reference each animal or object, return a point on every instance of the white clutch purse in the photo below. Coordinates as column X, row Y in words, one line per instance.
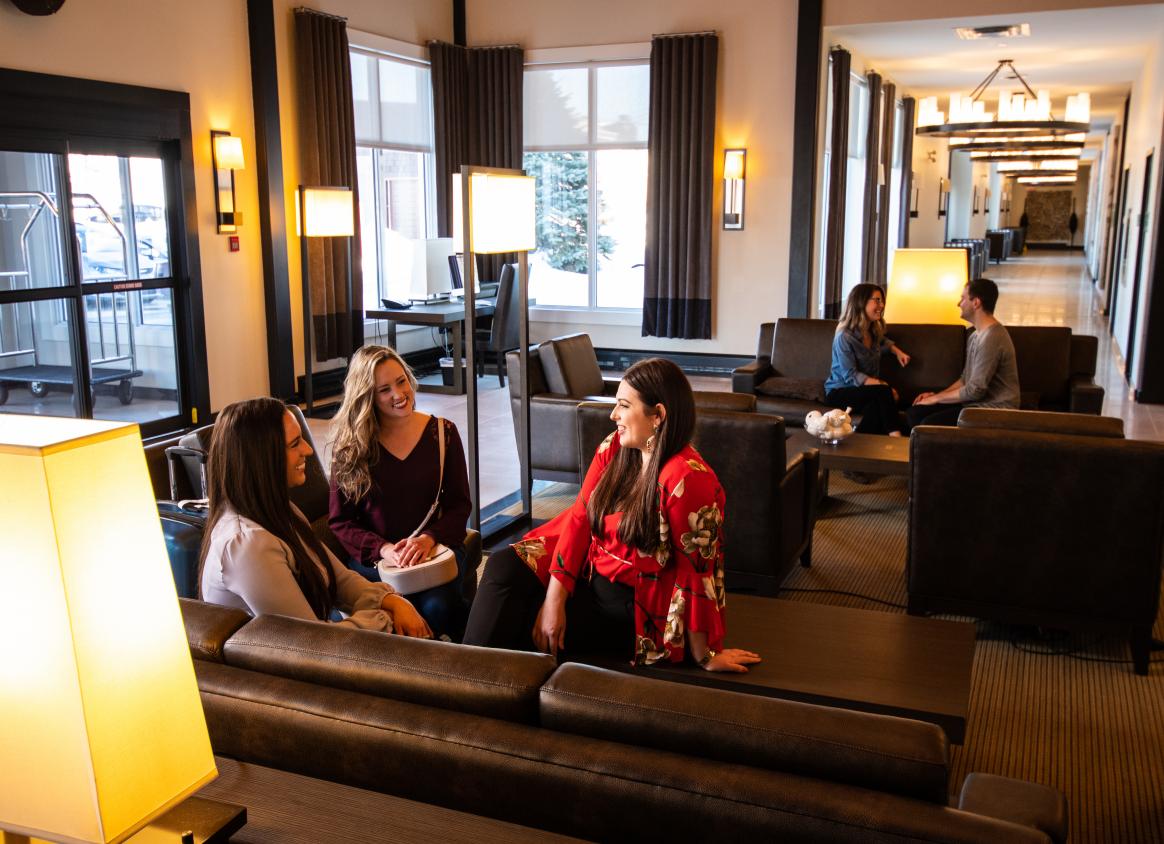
column 440, row 568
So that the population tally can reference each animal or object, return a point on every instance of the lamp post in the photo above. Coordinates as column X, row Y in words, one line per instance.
column 322, row 212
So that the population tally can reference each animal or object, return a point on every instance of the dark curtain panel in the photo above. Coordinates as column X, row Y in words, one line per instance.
column 908, row 104
column 477, row 110
column 450, row 111
column 680, row 145
column 495, row 122
column 888, row 140
column 834, row 237
column 327, row 156
column 872, row 160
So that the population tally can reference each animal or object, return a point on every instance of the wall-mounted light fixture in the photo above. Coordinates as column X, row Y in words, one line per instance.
column 227, row 155
column 320, row 212
column 974, row 203
column 734, row 174
column 943, row 195
column 914, row 195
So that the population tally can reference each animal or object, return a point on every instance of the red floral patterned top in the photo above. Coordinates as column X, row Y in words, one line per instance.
column 678, row 587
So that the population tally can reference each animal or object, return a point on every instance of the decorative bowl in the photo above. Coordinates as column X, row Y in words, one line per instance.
column 832, row 437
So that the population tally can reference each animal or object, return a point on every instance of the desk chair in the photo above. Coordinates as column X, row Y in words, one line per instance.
column 503, row 334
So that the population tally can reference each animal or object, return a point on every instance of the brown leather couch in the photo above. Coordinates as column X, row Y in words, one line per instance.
column 771, row 499
column 1049, row 519
column 1056, row 367
column 581, row 750
column 563, row 372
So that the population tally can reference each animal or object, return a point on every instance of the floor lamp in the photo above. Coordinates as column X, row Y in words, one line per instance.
column 493, row 213
column 322, row 212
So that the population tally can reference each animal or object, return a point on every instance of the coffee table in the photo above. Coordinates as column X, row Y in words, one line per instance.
column 880, row 662
column 858, row 453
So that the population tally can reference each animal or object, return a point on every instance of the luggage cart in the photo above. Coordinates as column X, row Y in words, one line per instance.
column 104, row 368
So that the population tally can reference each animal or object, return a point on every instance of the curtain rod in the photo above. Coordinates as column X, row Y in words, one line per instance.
column 321, row 14
column 486, row 47
column 682, row 34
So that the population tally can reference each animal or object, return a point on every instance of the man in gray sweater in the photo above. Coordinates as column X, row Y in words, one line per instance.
column 989, row 376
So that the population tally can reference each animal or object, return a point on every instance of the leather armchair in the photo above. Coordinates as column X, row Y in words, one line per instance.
column 771, row 501
column 1049, row 519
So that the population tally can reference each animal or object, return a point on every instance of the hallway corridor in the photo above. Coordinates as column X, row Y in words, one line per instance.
column 1050, row 287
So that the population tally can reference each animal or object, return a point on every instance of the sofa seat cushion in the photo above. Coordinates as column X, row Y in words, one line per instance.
column 1042, row 422
column 484, row 681
column 781, row 386
column 571, row 366
column 208, row 626
column 792, row 411
column 896, row 755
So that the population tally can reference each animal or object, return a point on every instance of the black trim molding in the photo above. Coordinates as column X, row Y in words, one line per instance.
column 809, row 32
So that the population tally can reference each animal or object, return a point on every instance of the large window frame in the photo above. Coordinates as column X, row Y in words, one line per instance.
column 592, row 60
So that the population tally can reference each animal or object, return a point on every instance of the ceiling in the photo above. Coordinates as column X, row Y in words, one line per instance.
column 1099, row 51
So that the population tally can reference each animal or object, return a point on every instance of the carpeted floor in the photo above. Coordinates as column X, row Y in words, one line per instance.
column 1067, row 712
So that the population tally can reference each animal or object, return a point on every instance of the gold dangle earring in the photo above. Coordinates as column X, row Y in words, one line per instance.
column 651, row 441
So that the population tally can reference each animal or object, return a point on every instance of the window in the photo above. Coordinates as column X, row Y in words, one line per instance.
column 586, row 144
column 394, row 169
column 854, row 272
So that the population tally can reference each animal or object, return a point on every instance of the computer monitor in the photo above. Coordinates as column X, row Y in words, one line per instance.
column 456, row 274
column 430, row 274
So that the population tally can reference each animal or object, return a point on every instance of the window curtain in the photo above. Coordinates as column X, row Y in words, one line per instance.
column 834, row 237
column 872, row 165
column 680, row 144
column 477, row 106
column 888, row 139
column 908, row 104
column 327, row 156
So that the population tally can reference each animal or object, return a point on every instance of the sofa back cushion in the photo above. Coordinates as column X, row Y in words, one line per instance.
column 1084, row 352
column 936, row 352
column 537, row 376
column 803, row 348
column 208, row 626
column 1043, row 355
column 571, row 366
column 483, row 681
column 1045, row 422
column 879, row 752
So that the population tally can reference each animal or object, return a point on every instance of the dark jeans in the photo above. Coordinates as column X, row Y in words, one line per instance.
column 442, row 607
column 933, row 414
column 875, row 404
column 599, row 615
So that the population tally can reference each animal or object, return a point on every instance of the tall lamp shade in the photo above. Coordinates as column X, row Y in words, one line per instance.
column 502, row 211
column 101, row 725
column 924, row 286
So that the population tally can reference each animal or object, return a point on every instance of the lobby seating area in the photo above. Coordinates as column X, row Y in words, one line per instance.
column 664, row 760
column 1056, row 366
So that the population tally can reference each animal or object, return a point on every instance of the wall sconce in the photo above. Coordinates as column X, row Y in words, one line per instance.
column 320, row 212
column 943, row 196
column 227, row 155
column 974, row 204
column 914, row 195
column 734, row 174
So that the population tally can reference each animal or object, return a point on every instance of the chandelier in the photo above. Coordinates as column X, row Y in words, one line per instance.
column 1021, row 118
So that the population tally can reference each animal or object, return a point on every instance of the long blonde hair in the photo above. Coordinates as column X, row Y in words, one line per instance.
column 854, row 319
column 355, row 428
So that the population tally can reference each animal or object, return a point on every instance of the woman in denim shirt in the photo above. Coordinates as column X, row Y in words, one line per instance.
column 854, row 378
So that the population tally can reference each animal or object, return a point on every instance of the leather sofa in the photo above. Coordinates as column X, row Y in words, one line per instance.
column 1048, row 519
column 1056, row 367
column 771, row 499
column 585, row 751
column 563, row 372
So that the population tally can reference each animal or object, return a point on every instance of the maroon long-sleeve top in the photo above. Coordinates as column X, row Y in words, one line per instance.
column 401, row 494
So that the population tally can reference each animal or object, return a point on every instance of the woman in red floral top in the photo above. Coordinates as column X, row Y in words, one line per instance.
column 635, row 566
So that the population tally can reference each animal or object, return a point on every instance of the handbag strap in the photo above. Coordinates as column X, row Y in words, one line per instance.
column 440, row 477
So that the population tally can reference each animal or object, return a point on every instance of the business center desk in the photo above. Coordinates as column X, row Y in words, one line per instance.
column 443, row 315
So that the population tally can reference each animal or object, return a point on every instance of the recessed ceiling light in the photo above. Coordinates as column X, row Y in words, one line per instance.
column 1008, row 30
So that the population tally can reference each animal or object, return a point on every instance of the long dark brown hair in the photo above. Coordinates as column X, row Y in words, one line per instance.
column 624, row 487
column 854, row 318
column 247, row 472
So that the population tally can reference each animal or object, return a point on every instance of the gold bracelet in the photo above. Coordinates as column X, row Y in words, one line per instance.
column 707, row 657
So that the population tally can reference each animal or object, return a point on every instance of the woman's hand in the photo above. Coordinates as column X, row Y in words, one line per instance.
column 873, row 380
column 549, row 633
column 405, row 619
column 902, row 357
column 732, row 659
column 412, row 551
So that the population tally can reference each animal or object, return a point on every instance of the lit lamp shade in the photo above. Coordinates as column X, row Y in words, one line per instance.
column 328, row 212
column 502, row 213
column 925, row 285
column 228, row 152
column 101, row 724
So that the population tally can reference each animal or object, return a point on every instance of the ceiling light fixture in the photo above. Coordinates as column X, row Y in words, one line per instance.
column 1019, row 115
column 1046, row 180
column 1006, row 30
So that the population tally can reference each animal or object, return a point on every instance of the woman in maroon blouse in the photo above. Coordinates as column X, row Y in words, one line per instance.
column 385, row 474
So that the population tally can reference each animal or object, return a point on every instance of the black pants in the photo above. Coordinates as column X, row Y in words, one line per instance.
column 933, row 414
column 599, row 615
column 875, row 404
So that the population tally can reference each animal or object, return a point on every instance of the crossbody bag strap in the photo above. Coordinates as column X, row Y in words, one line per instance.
column 440, row 477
